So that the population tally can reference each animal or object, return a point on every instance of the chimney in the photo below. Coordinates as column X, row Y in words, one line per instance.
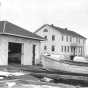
column 66, row 29
column 52, row 24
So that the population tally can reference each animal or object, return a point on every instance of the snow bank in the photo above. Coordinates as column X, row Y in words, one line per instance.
column 10, row 84
column 2, row 73
column 17, row 74
column 40, row 86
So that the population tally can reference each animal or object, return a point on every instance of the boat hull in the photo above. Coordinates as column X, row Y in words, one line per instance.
column 54, row 65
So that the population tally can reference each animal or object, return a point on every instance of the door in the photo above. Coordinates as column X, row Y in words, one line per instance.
column 33, row 61
column 74, row 51
column 3, row 53
column 27, row 54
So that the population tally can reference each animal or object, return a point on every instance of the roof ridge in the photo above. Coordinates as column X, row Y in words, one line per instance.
column 71, row 32
column 4, row 26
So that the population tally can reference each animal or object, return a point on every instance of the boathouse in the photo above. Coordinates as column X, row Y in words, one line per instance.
column 18, row 45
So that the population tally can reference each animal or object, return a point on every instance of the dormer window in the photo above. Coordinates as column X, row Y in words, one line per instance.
column 45, row 30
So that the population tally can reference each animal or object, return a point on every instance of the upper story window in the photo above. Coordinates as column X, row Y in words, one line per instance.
column 53, row 48
column 62, row 37
column 67, row 38
column 70, row 39
column 45, row 47
column 53, row 37
column 83, row 41
column 76, row 40
column 79, row 40
column 45, row 37
column 45, row 30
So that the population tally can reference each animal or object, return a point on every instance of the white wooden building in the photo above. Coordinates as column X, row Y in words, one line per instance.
column 14, row 39
column 61, row 41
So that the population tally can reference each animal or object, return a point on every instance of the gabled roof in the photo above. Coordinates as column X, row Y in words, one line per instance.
column 11, row 29
column 62, row 30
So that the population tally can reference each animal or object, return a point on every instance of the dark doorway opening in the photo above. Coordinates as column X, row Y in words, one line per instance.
column 14, row 53
column 74, row 51
column 33, row 61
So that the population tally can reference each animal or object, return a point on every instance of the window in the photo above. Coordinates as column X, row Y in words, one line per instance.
column 83, row 41
column 67, row 38
column 83, row 50
column 76, row 40
column 45, row 30
column 70, row 39
column 53, row 37
column 79, row 50
column 45, row 47
column 62, row 48
column 45, row 37
column 68, row 48
column 53, row 48
column 71, row 50
column 76, row 50
column 65, row 48
column 62, row 37
column 79, row 40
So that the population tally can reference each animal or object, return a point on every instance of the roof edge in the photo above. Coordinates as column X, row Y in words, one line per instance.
column 23, row 36
column 40, row 27
column 59, row 31
column 4, row 26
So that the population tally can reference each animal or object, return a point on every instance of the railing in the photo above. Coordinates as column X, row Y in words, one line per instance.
column 76, row 45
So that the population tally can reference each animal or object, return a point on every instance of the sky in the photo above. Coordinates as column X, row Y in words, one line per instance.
column 32, row 14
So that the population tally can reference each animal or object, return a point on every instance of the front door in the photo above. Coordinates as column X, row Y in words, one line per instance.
column 33, row 62
column 74, row 51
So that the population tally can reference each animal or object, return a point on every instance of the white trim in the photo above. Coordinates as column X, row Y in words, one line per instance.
column 40, row 28
column 65, row 33
column 59, row 31
column 73, row 36
column 23, row 36
column 4, row 27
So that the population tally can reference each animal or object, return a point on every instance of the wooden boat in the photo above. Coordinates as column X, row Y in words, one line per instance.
column 15, row 57
column 64, row 65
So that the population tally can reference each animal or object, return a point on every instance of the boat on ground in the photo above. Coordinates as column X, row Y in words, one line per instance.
column 64, row 64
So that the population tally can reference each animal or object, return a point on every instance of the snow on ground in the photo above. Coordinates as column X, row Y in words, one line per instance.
column 14, row 85
column 40, row 86
column 10, row 84
column 1, row 77
column 3, row 73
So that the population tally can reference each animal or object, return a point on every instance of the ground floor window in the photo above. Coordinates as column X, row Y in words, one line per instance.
column 45, row 47
column 62, row 48
column 53, row 48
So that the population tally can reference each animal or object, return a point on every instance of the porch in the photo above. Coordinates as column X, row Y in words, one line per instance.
column 76, row 49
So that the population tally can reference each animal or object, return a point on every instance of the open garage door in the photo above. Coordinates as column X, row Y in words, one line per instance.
column 14, row 54
column 27, row 60
column 3, row 53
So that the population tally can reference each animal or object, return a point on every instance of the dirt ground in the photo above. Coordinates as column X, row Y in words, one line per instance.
column 27, row 80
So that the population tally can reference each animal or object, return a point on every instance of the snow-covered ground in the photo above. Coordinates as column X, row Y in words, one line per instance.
column 3, row 73
column 16, row 84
